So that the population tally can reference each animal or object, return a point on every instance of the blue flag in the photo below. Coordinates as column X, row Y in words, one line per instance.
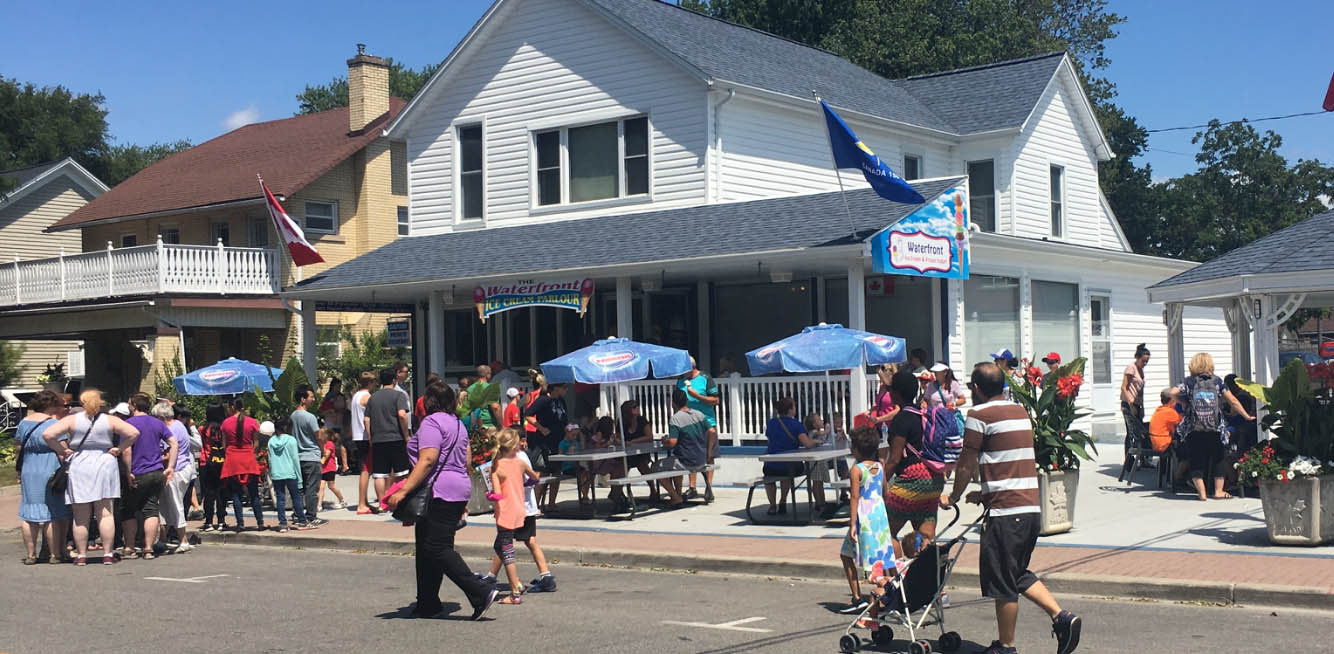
column 850, row 152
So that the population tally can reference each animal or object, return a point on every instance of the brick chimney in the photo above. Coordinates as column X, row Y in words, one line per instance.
column 367, row 88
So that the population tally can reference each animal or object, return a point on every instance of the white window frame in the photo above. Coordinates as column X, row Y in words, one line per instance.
column 458, row 172
column 1105, row 296
column 404, row 219
column 213, row 232
column 251, row 224
column 321, row 334
column 563, row 129
column 305, row 216
column 921, row 164
column 162, row 234
column 125, row 235
column 1057, row 224
column 995, row 205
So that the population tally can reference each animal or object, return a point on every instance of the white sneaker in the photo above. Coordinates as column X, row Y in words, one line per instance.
column 339, row 505
column 184, row 547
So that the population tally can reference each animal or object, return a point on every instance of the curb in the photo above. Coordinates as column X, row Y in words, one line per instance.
column 1065, row 583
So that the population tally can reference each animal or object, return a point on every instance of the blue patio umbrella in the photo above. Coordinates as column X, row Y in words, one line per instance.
column 615, row 360
column 230, row 376
column 821, row 348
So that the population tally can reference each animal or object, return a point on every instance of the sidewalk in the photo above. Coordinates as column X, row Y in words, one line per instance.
column 1128, row 542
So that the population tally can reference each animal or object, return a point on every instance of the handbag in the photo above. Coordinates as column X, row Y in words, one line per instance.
column 413, row 507
column 59, row 480
column 958, row 415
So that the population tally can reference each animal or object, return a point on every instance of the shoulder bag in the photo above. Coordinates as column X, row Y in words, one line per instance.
column 59, row 480
column 415, row 503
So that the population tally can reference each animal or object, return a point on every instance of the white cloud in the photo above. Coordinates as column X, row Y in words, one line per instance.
column 241, row 117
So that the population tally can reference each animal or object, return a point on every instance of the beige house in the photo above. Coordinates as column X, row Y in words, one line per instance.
column 182, row 260
column 41, row 196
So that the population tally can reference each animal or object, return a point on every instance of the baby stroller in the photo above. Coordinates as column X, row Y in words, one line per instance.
column 919, row 592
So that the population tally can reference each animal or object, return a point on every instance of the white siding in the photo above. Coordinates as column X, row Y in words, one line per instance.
column 544, row 60
column 1052, row 137
column 772, row 151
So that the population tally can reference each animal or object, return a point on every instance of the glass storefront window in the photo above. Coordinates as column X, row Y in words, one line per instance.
column 991, row 317
column 900, row 305
column 751, row 315
column 1056, row 319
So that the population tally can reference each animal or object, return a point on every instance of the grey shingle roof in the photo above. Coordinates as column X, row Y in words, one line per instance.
column 22, row 176
column 1293, row 249
column 800, row 221
column 959, row 102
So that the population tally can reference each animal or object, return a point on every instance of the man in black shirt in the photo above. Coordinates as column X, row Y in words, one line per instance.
column 549, row 409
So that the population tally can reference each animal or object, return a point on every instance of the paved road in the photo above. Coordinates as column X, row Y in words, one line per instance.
column 283, row 600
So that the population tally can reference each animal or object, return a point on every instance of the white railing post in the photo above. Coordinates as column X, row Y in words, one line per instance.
column 734, row 414
column 18, row 282
column 161, row 265
column 111, row 285
column 220, row 265
column 62, row 274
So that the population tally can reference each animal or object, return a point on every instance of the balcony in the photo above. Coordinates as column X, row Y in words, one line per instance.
column 159, row 269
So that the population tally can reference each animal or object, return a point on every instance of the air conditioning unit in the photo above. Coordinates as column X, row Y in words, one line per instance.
column 74, row 364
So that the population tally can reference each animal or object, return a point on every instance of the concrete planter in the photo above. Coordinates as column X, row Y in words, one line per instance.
column 1057, row 491
column 477, row 502
column 1300, row 512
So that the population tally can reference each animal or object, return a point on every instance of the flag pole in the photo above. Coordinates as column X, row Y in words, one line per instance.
column 841, row 193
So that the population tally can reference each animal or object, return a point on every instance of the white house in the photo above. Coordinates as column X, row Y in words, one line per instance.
column 680, row 163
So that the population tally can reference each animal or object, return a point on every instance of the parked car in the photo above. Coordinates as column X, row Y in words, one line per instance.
column 1307, row 357
column 1327, row 350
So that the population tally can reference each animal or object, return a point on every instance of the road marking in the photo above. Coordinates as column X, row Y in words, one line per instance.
column 187, row 580
column 734, row 625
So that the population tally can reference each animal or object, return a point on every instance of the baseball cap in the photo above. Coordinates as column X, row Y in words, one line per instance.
column 925, row 375
column 512, row 392
column 266, row 428
column 1051, row 357
column 1003, row 353
column 940, row 366
column 122, row 409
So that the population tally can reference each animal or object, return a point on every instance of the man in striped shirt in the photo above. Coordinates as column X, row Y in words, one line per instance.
column 998, row 437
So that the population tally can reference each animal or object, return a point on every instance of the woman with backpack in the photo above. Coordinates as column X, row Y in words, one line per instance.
column 915, row 495
column 1202, row 395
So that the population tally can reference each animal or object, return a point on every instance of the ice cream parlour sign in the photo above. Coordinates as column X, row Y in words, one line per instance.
column 497, row 298
column 929, row 242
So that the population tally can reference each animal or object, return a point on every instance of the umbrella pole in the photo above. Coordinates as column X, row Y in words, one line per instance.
column 829, row 400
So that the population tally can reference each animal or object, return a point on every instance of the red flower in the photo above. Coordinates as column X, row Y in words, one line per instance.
column 1066, row 387
column 1243, row 458
column 1283, row 475
column 1264, row 460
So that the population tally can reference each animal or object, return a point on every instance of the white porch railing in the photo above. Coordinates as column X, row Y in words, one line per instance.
column 747, row 402
column 147, row 270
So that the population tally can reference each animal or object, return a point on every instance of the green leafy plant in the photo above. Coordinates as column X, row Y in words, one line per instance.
column 53, row 374
column 368, row 351
column 8, row 449
column 282, row 401
column 11, row 364
column 1050, row 402
column 163, row 386
column 1299, row 410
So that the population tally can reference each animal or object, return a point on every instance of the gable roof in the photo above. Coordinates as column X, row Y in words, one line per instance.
column 290, row 153
column 1294, row 249
column 34, row 177
column 961, row 102
column 804, row 221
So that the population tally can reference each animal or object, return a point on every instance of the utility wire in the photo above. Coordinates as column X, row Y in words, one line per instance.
column 1243, row 120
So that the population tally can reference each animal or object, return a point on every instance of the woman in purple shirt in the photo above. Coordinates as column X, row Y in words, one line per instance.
column 439, row 449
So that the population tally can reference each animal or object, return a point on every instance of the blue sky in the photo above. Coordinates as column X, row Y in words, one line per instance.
column 190, row 70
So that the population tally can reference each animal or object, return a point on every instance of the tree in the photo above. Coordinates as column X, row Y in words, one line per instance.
column 369, row 351
column 1243, row 191
column 11, row 367
column 404, row 83
column 123, row 161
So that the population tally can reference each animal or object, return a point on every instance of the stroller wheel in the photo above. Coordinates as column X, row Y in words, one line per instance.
column 882, row 636
column 950, row 641
column 849, row 643
column 921, row 647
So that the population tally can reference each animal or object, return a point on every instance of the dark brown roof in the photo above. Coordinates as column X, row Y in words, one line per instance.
column 289, row 153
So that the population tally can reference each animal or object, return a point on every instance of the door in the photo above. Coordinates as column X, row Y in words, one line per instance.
column 1106, row 384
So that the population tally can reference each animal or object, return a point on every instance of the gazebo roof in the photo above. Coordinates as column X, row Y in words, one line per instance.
column 1296, row 259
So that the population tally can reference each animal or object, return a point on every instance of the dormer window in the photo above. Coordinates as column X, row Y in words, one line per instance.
column 601, row 161
column 982, row 187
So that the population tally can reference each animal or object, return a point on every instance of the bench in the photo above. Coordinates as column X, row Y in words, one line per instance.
column 752, row 484
column 627, row 481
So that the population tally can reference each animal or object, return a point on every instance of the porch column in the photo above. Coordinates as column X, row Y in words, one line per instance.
column 309, row 353
column 421, row 363
column 702, row 322
column 1266, row 340
column 1176, row 343
column 860, row 395
column 625, row 319
column 1239, row 328
column 435, row 334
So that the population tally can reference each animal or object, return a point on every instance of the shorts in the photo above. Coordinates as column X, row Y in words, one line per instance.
column 670, row 463
column 143, row 496
column 1007, row 545
column 527, row 531
column 329, row 476
column 363, row 452
column 504, row 545
column 389, row 459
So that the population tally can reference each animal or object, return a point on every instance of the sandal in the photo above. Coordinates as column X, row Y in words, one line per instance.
column 108, row 560
column 29, row 560
column 149, row 556
column 1224, row 496
column 82, row 560
column 512, row 599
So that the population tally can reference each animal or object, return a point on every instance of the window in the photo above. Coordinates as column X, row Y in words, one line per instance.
column 328, row 341
column 220, row 231
column 403, row 226
column 1056, row 319
column 1057, row 201
column 322, row 217
column 129, row 240
column 912, row 167
column 1100, row 313
column 991, row 317
column 169, row 235
column 471, row 185
column 258, row 229
column 593, row 162
column 982, row 186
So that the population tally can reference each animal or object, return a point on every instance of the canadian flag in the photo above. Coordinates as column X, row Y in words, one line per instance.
column 303, row 253
column 1329, row 96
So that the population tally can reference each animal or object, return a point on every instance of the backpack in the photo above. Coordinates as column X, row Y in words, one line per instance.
column 1204, row 408
column 941, row 440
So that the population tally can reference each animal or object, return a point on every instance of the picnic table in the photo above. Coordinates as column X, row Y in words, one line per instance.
column 809, row 457
column 592, row 454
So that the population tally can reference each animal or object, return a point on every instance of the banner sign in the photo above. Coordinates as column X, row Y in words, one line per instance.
column 930, row 242
column 574, row 295
column 399, row 332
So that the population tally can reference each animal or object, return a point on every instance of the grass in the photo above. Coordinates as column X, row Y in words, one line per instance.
column 8, row 476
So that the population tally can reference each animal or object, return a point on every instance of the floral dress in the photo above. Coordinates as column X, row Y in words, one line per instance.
column 874, row 542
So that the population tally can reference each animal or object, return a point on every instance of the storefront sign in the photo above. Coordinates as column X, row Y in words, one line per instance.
column 930, row 242
column 498, row 298
column 399, row 332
